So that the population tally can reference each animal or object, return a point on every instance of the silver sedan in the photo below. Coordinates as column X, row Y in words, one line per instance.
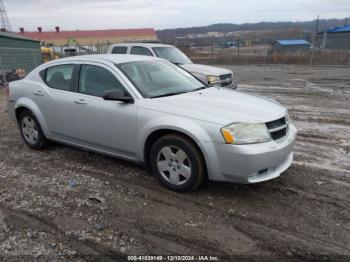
column 152, row 112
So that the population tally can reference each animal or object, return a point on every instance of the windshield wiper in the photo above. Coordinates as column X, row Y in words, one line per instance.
column 179, row 93
column 170, row 94
column 200, row 88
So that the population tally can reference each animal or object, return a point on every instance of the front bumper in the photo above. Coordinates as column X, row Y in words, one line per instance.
column 233, row 85
column 250, row 163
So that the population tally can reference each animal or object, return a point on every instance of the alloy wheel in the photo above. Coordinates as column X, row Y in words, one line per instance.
column 30, row 130
column 174, row 165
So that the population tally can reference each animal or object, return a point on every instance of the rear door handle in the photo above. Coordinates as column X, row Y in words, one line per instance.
column 80, row 102
column 39, row 93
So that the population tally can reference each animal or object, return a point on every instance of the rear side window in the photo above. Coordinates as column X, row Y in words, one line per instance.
column 119, row 50
column 96, row 80
column 42, row 74
column 60, row 77
column 139, row 50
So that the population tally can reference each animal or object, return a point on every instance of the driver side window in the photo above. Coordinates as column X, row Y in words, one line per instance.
column 96, row 80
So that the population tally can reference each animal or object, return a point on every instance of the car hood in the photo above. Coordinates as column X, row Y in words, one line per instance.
column 206, row 70
column 218, row 105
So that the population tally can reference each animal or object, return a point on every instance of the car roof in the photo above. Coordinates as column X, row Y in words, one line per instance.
column 142, row 44
column 114, row 58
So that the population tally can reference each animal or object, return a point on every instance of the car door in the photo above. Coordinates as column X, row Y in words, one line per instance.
column 54, row 99
column 109, row 126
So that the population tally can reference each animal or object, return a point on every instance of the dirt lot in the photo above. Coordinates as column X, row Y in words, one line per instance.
column 64, row 203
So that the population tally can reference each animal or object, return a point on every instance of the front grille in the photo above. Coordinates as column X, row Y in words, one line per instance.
column 226, row 80
column 279, row 134
column 276, row 123
column 278, row 128
column 224, row 77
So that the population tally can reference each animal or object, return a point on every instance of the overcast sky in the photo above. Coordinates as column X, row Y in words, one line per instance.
column 161, row 14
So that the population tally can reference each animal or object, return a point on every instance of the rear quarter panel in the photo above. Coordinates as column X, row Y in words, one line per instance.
column 21, row 95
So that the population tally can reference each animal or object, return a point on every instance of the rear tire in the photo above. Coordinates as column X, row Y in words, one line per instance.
column 177, row 163
column 31, row 131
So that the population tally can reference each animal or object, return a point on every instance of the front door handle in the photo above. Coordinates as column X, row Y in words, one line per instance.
column 39, row 93
column 80, row 102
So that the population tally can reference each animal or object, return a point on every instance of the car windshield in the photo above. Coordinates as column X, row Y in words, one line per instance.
column 172, row 54
column 159, row 78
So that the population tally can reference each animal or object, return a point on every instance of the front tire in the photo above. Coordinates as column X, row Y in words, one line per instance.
column 177, row 163
column 31, row 131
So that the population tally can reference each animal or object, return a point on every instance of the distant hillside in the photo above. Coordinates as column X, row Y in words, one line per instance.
column 307, row 26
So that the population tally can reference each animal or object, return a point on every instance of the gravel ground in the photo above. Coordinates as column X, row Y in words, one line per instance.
column 63, row 203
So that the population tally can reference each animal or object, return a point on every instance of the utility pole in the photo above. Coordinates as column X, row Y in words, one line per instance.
column 5, row 23
column 316, row 31
column 346, row 21
column 317, row 23
column 314, row 40
column 212, row 47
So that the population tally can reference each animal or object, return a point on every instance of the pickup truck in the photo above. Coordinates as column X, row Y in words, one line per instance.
column 213, row 76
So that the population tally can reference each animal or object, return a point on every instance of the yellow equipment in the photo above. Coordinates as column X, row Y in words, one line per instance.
column 48, row 54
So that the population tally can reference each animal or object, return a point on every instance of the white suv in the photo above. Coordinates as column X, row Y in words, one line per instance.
column 213, row 76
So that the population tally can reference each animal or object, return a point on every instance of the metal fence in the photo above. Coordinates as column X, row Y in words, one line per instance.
column 264, row 55
column 325, row 50
column 331, row 49
column 74, row 50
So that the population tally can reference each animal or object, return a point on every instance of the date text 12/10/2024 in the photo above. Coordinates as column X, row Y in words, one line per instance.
column 173, row 258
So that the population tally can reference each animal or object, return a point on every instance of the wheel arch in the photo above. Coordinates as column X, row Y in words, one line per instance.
column 27, row 104
column 158, row 133
column 19, row 110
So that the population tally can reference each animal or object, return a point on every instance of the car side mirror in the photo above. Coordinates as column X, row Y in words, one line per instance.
column 118, row 95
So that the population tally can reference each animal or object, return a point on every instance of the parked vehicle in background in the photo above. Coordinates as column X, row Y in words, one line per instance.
column 213, row 76
column 151, row 111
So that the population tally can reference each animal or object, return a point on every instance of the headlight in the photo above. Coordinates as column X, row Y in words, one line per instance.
column 288, row 120
column 245, row 133
column 214, row 80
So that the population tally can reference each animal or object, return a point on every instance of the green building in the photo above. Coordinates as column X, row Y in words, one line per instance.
column 19, row 52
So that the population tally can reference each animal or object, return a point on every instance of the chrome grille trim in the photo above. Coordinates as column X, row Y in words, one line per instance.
column 278, row 128
column 226, row 80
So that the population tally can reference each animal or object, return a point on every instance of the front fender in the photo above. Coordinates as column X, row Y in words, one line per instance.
column 30, row 105
column 179, row 124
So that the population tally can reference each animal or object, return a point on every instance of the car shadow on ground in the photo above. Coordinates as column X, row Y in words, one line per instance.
column 107, row 163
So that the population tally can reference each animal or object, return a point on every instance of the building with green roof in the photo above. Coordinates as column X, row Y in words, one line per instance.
column 19, row 52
